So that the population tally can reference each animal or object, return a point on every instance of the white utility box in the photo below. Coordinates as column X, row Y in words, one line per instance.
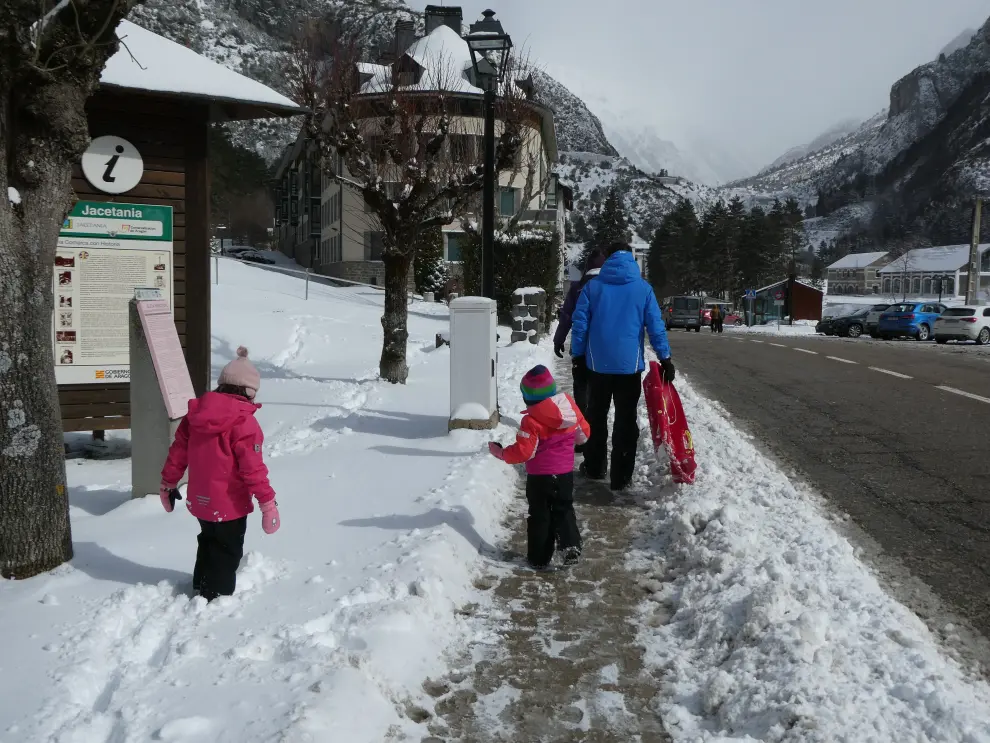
column 473, row 387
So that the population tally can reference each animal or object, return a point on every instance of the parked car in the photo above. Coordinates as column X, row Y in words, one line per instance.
column 684, row 312
column 825, row 326
column 963, row 324
column 873, row 318
column 254, row 256
column 850, row 326
column 912, row 319
column 731, row 318
column 728, row 316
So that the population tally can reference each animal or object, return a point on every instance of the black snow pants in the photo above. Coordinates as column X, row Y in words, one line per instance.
column 221, row 546
column 625, row 390
column 551, row 517
column 582, row 394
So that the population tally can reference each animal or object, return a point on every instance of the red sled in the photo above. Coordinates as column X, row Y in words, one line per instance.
column 669, row 426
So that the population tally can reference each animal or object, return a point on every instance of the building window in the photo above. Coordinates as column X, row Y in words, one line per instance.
column 897, row 286
column 507, row 202
column 876, row 288
column 916, row 286
column 886, row 286
column 949, row 286
column 455, row 252
column 928, row 286
column 374, row 246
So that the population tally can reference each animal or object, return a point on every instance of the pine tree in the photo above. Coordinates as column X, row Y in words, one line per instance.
column 713, row 250
column 609, row 225
column 674, row 249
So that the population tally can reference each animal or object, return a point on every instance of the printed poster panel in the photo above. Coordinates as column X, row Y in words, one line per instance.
column 105, row 251
column 166, row 354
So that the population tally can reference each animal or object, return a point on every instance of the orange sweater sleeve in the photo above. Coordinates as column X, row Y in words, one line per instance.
column 527, row 439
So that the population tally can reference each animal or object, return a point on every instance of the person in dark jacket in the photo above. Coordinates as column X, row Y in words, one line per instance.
column 591, row 268
column 612, row 316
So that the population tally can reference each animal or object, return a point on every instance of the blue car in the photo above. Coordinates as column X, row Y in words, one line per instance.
column 912, row 319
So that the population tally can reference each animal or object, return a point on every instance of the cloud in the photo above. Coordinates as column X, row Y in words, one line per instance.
column 753, row 76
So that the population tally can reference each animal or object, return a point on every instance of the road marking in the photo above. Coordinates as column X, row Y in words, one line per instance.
column 844, row 361
column 970, row 395
column 757, row 341
column 891, row 373
column 805, row 350
column 778, row 345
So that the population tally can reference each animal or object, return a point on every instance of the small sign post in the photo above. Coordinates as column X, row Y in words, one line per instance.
column 161, row 387
column 778, row 301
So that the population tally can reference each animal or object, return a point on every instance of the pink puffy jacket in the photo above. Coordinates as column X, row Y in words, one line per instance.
column 547, row 435
column 220, row 442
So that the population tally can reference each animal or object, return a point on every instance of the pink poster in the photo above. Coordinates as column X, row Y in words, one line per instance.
column 166, row 353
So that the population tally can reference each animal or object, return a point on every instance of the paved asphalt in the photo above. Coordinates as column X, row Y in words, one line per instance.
column 908, row 460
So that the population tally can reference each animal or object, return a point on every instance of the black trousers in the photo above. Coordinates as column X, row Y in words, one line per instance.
column 582, row 390
column 551, row 519
column 221, row 547
column 625, row 390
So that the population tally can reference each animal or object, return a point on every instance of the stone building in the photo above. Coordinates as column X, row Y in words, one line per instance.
column 328, row 227
column 857, row 273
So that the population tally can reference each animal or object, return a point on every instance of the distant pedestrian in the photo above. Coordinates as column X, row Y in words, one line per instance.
column 550, row 427
column 591, row 269
column 612, row 316
column 219, row 441
column 716, row 319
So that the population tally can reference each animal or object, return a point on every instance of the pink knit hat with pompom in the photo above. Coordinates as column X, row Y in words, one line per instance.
column 241, row 373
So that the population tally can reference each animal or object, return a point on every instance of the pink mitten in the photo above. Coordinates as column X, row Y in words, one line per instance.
column 165, row 493
column 496, row 449
column 269, row 516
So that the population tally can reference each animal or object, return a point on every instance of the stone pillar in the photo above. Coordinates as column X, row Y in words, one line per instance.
column 528, row 308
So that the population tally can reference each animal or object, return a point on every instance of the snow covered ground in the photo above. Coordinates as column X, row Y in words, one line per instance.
column 764, row 625
column 340, row 616
column 800, row 327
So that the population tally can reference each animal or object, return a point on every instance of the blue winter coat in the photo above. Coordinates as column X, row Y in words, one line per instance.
column 612, row 316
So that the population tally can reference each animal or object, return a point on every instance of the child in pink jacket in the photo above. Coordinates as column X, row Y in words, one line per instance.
column 550, row 429
column 220, row 442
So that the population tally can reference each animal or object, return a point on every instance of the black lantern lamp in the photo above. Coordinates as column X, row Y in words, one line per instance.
column 490, row 47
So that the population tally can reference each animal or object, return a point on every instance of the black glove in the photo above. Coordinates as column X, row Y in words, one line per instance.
column 668, row 370
column 174, row 495
column 559, row 350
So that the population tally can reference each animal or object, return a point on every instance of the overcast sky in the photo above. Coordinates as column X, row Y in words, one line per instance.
column 754, row 76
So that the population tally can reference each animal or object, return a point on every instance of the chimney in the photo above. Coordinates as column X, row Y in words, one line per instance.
column 405, row 36
column 437, row 16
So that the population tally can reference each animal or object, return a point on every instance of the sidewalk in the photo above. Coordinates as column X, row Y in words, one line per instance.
column 564, row 663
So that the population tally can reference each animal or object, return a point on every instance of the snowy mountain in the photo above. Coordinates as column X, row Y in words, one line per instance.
column 647, row 148
column 647, row 198
column 830, row 136
column 847, row 169
column 578, row 130
column 959, row 42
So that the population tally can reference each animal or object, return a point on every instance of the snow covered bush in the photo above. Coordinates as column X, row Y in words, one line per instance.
column 527, row 256
column 430, row 271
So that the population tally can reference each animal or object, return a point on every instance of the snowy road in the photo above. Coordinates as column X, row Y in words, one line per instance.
column 894, row 434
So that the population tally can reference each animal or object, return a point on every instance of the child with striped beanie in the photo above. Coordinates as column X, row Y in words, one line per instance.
column 551, row 426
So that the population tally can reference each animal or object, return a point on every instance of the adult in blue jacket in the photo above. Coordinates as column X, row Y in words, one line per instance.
column 613, row 315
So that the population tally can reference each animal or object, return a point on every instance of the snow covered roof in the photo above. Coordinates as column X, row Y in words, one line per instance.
column 784, row 281
column 942, row 258
column 858, row 260
column 152, row 63
column 444, row 57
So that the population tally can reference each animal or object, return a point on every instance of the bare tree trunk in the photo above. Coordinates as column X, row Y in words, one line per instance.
column 395, row 320
column 35, row 535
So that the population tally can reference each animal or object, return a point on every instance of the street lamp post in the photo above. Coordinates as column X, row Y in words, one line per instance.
column 488, row 37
